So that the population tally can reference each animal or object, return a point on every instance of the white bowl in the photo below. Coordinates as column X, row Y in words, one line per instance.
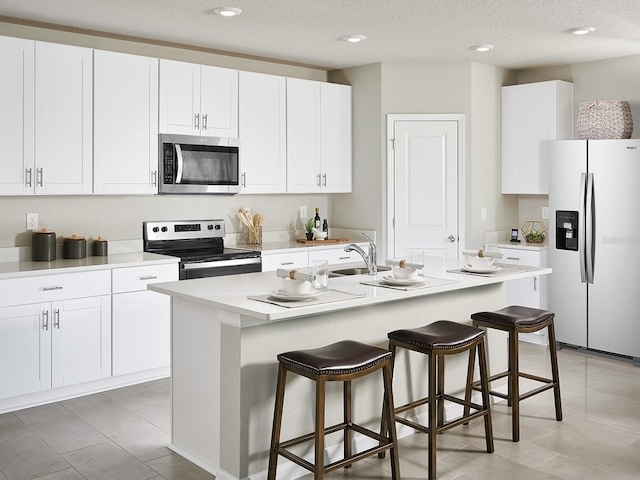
column 404, row 273
column 319, row 235
column 481, row 262
column 296, row 286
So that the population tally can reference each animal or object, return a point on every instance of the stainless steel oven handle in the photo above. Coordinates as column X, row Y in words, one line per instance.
column 222, row 263
column 180, row 162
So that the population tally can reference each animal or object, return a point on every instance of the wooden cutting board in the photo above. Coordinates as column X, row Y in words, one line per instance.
column 322, row 242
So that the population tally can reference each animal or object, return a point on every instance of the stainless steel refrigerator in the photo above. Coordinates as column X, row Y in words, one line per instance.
column 594, row 244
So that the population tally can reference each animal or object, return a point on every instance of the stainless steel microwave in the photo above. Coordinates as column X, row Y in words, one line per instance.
column 190, row 164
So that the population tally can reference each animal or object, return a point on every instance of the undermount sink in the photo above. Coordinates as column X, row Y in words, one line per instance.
column 355, row 271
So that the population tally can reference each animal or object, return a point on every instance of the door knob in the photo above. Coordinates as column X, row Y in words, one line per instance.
column 451, row 238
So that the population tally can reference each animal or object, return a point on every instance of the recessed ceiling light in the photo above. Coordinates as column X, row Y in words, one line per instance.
column 581, row 30
column 227, row 11
column 482, row 48
column 353, row 38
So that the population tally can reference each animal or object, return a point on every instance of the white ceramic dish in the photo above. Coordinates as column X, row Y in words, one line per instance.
column 401, row 282
column 469, row 268
column 404, row 273
column 480, row 262
column 296, row 287
column 294, row 297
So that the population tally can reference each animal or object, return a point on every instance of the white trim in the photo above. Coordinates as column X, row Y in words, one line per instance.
column 396, row 117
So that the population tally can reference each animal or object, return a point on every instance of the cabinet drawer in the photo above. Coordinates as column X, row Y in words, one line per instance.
column 520, row 257
column 48, row 288
column 133, row 279
column 336, row 256
column 284, row 260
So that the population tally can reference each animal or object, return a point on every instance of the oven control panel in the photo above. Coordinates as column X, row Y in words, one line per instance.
column 183, row 229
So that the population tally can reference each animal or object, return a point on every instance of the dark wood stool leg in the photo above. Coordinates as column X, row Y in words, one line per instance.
column 514, row 385
column 468, row 390
column 383, row 419
column 318, row 473
column 554, row 371
column 484, row 381
column 433, row 418
column 440, row 392
column 347, row 419
column 388, row 407
column 277, row 421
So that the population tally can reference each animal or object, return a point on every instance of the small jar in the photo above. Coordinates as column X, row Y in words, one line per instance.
column 99, row 247
column 74, row 246
column 43, row 246
column 253, row 235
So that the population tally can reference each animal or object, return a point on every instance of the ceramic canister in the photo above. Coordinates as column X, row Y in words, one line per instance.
column 99, row 247
column 74, row 247
column 43, row 246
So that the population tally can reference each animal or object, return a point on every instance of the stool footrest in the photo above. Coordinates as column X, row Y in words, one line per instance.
column 548, row 384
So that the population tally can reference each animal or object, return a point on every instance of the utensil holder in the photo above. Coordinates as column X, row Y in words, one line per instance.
column 253, row 235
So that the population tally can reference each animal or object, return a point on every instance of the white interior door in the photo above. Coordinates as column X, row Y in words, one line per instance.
column 423, row 184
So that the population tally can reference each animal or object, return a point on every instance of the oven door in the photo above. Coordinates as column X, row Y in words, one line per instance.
column 219, row 268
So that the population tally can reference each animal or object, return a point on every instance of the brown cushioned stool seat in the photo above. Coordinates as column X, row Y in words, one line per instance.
column 514, row 320
column 342, row 361
column 436, row 341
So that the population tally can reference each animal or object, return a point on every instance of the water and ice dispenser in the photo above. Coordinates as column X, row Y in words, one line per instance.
column 566, row 230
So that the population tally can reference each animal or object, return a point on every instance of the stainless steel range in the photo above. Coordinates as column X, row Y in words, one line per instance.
column 200, row 246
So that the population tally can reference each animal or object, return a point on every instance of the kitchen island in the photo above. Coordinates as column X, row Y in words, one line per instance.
column 224, row 348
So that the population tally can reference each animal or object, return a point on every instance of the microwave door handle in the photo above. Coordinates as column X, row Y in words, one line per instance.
column 180, row 162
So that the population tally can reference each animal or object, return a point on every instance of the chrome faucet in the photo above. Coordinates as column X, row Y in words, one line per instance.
column 370, row 259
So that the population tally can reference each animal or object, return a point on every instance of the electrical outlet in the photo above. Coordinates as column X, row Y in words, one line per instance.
column 32, row 221
column 483, row 213
column 545, row 213
column 303, row 212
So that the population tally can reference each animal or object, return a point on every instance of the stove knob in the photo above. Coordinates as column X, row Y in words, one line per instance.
column 210, row 226
column 164, row 229
column 156, row 229
column 217, row 227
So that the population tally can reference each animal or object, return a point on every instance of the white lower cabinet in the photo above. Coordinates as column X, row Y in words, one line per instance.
column 54, row 344
column 335, row 256
column 273, row 261
column 528, row 292
column 141, row 319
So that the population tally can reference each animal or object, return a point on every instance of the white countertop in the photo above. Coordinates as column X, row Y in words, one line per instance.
column 230, row 293
column 18, row 269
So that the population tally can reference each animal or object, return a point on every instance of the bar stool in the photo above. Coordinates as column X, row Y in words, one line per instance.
column 342, row 361
column 515, row 320
column 436, row 341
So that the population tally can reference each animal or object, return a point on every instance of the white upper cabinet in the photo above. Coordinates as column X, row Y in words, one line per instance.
column 532, row 115
column 45, row 119
column 63, row 119
column 262, row 129
column 318, row 137
column 198, row 99
column 125, row 123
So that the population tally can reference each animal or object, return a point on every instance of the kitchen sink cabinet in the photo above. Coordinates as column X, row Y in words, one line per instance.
column 141, row 319
column 51, row 335
column 262, row 129
column 336, row 256
column 532, row 115
column 45, row 120
column 318, row 137
column 198, row 99
column 125, row 124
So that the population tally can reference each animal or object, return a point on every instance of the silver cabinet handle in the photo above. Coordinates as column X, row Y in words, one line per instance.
column 344, row 258
column 318, row 180
column 244, row 179
column 56, row 318
column 197, row 121
column 286, row 263
column 45, row 320
column 513, row 258
column 204, row 121
column 48, row 289
column 451, row 238
column 535, row 284
column 39, row 176
column 28, row 177
column 149, row 277
column 154, row 178
column 324, row 178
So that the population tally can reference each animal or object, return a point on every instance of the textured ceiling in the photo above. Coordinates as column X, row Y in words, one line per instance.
column 526, row 33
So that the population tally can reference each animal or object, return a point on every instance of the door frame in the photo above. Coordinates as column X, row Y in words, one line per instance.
column 459, row 118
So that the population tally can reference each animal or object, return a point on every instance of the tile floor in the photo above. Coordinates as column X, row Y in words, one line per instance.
column 121, row 434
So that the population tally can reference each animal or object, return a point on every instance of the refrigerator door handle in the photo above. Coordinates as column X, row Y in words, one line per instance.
column 590, row 224
column 582, row 234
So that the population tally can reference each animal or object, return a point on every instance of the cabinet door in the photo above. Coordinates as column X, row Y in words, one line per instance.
column 141, row 331
column 262, row 130
column 63, row 113
column 25, row 350
column 80, row 340
column 218, row 102
column 125, row 123
column 303, row 136
column 335, row 134
column 17, row 115
column 179, row 98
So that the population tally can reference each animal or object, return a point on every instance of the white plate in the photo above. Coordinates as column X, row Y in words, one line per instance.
column 401, row 282
column 294, row 297
column 469, row 268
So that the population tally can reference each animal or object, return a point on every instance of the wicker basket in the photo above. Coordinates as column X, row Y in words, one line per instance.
column 604, row 119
